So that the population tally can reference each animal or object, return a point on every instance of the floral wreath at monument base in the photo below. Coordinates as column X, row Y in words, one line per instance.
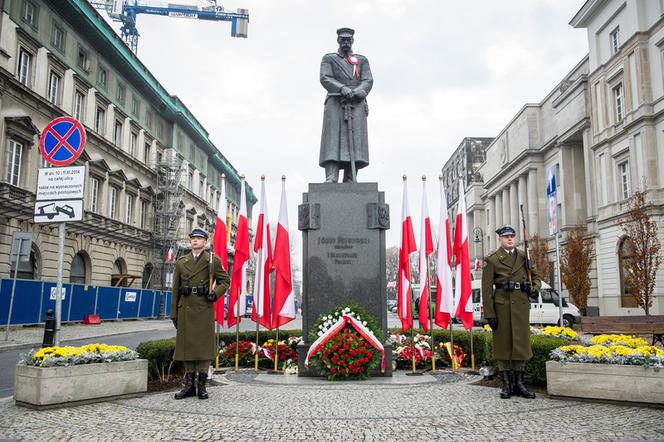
column 346, row 344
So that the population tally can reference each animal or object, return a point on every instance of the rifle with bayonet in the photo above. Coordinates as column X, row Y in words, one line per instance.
column 529, row 263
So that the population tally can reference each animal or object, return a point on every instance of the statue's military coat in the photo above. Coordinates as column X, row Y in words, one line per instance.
column 511, row 341
column 335, row 72
column 195, row 314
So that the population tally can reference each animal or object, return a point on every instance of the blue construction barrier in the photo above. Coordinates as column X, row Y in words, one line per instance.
column 33, row 298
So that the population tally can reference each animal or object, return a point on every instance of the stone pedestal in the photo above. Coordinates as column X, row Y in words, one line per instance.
column 343, row 239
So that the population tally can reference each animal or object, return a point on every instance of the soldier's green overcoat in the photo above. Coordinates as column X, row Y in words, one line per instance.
column 511, row 341
column 195, row 314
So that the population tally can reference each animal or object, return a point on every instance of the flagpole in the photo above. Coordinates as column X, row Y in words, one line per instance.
column 276, row 353
column 472, row 353
column 433, row 342
column 237, row 330
column 452, row 346
column 216, row 324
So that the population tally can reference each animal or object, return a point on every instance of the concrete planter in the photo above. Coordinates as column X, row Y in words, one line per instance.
column 40, row 388
column 625, row 383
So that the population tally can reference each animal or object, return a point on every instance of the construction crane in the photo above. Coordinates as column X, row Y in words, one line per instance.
column 125, row 12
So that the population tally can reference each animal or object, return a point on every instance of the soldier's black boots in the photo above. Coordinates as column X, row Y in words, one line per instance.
column 506, row 389
column 520, row 387
column 189, row 387
column 202, row 392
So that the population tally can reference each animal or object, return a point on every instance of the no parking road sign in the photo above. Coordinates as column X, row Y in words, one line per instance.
column 62, row 141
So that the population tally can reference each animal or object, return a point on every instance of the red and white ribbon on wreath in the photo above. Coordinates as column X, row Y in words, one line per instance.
column 336, row 328
column 354, row 61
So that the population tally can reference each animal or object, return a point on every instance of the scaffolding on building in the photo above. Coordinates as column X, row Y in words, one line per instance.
column 169, row 210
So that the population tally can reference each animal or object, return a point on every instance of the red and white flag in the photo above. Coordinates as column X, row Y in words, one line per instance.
column 404, row 297
column 220, row 247
column 426, row 248
column 240, row 261
column 283, row 309
column 476, row 267
column 463, row 288
column 260, row 311
column 444, row 293
column 170, row 255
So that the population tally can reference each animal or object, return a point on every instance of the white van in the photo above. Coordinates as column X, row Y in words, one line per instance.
column 543, row 311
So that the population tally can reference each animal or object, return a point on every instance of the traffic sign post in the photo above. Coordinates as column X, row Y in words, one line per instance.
column 60, row 189
column 20, row 252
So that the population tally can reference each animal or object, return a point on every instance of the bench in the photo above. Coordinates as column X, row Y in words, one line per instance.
column 633, row 325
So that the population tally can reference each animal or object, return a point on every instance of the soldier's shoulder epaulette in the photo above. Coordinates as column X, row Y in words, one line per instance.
column 183, row 258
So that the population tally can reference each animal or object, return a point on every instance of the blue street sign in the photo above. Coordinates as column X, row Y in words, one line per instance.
column 62, row 141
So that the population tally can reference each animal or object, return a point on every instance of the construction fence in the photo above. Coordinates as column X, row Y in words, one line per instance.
column 33, row 298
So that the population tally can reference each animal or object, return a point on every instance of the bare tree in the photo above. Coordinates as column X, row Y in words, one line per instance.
column 645, row 259
column 392, row 263
column 539, row 251
column 576, row 258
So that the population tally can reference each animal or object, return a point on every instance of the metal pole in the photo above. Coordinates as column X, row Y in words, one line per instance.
column 560, row 282
column 11, row 300
column 431, row 322
column 472, row 351
column 58, row 289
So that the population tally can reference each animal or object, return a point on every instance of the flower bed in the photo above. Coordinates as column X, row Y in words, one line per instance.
column 553, row 330
column 614, row 367
column 57, row 376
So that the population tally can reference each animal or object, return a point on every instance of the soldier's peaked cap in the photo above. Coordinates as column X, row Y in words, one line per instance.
column 506, row 230
column 345, row 32
column 200, row 233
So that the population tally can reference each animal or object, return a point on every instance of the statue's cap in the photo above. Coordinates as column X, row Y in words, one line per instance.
column 345, row 32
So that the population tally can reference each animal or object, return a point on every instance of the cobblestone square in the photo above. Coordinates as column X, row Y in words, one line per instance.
column 447, row 407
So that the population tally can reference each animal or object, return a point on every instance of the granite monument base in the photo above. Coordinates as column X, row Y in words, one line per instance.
column 343, row 240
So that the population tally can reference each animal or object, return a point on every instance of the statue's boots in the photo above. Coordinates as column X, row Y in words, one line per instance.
column 189, row 387
column 520, row 387
column 506, row 388
column 202, row 392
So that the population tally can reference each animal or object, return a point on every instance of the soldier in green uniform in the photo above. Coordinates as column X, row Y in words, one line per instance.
column 505, row 296
column 193, row 314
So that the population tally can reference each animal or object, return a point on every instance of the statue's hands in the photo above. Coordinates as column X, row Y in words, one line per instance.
column 346, row 92
column 360, row 94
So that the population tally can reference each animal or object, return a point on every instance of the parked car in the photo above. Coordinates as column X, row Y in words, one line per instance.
column 544, row 310
column 391, row 304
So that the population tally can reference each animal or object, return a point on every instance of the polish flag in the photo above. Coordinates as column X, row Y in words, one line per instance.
column 477, row 265
column 444, row 294
column 220, row 247
column 404, row 298
column 260, row 311
column 170, row 255
column 426, row 248
column 240, row 261
column 283, row 309
column 463, row 289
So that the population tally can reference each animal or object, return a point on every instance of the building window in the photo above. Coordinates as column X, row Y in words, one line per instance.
column 78, row 270
column 117, row 133
column 201, row 189
column 93, row 196
column 190, row 181
column 83, row 60
column 625, row 251
column 79, row 105
column 143, row 214
column 58, row 37
column 120, row 94
column 53, row 87
column 135, row 106
column 133, row 138
column 101, row 76
column 614, row 38
column 29, row 13
column 113, row 202
column 148, row 119
column 14, row 156
column 619, row 100
column 129, row 219
column 147, row 153
column 190, row 224
column 100, row 119
column 623, row 169
column 24, row 66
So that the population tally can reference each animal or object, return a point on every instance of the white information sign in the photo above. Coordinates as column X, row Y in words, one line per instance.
column 130, row 296
column 54, row 290
column 60, row 183
column 58, row 211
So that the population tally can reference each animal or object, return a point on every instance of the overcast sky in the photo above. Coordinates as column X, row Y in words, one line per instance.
column 443, row 70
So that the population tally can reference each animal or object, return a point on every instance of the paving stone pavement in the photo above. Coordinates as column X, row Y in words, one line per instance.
column 246, row 409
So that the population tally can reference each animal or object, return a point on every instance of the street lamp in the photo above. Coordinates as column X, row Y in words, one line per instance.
column 479, row 239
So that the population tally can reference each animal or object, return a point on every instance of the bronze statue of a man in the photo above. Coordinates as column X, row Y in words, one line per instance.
column 347, row 78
